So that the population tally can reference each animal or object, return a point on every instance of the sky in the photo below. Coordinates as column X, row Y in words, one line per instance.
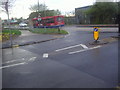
column 21, row 7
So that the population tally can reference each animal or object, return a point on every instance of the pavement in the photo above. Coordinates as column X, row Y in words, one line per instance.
column 28, row 38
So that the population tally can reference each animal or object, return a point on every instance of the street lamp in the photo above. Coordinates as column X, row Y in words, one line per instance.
column 39, row 19
column 7, row 11
column 119, row 17
column 38, row 7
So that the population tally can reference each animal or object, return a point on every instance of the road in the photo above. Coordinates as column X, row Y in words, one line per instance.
column 69, row 62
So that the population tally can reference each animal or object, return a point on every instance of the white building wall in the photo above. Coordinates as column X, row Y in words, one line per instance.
column 104, row 0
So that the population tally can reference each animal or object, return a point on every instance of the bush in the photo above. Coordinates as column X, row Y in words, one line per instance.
column 48, row 31
column 13, row 32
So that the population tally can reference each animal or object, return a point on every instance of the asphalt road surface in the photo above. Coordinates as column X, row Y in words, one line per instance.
column 68, row 62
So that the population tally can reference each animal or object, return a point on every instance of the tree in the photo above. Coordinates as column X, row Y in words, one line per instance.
column 118, row 16
column 33, row 15
column 6, row 5
column 45, row 13
column 103, row 12
column 43, row 10
column 37, row 8
column 57, row 12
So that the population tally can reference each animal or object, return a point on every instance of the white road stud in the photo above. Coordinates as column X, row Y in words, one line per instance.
column 45, row 55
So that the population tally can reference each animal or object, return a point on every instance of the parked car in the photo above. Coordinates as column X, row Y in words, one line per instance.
column 22, row 24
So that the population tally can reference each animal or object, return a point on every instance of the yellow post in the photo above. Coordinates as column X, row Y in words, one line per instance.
column 96, row 33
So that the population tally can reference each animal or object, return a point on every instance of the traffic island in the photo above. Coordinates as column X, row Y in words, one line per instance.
column 117, row 37
column 100, row 42
column 104, row 41
column 50, row 31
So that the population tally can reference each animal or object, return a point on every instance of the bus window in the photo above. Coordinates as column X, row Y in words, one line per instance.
column 50, row 20
column 59, row 19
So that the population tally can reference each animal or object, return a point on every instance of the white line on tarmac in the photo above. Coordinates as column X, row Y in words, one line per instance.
column 84, row 50
column 23, row 59
column 13, row 65
column 68, row 48
column 67, row 35
column 14, row 61
column 84, row 46
column 45, row 55
column 32, row 59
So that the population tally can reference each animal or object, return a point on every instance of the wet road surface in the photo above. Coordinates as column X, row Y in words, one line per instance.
column 69, row 62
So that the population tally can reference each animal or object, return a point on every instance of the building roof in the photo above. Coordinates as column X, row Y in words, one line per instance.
column 83, row 7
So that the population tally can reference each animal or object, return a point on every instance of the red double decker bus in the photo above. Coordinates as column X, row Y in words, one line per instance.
column 48, row 22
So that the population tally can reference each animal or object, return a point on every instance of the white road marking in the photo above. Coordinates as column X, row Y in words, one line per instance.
column 84, row 46
column 67, row 35
column 68, row 48
column 32, row 59
column 45, row 55
column 23, row 59
column 84, row 50
column 14, row 61
column 13, row 65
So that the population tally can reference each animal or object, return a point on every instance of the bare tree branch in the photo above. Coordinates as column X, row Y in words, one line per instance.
column 41, row 7
column 6, row 5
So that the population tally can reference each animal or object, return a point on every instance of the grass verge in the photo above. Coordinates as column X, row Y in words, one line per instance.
column 6, row 34
column 13, row 32
column 48, row 31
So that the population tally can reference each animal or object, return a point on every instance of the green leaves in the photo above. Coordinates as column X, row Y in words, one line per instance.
column 43, row 10
column 103, row 12
column 13, row 32
column 36, row 8
column 45, row 13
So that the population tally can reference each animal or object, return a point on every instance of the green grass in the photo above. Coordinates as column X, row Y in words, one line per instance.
column 48, row 31
column 14, row 32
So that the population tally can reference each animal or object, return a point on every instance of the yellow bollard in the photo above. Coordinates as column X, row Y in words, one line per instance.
column 96, row 33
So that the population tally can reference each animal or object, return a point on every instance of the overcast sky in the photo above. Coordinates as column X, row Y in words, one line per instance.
column 21, row 7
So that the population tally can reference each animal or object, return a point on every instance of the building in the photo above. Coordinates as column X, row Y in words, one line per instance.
column 80, row 15
column 104, row 0
column 70, row 20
